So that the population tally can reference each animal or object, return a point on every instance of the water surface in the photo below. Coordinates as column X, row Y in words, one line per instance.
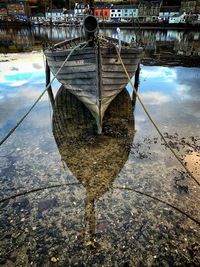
column 103, row 214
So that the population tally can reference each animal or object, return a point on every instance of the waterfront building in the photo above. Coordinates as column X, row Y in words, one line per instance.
column 129, row 12
column 102, row 11
column 166, row 12
column 3, row 12
column 18, row 9
column 68, row 15
column 79, row 9
column 55, row 15
column 116, row 12
column 178, row 18
column 14, row 10
column 149, row 10
column 38, row 18
column 188, row 6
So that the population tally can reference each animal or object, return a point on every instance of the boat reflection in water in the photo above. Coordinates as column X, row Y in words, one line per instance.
column 95, row 160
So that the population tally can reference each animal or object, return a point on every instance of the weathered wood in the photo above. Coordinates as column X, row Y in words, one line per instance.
column 126, row 51
column 63, row 43
column 72, row 57
column 121, row 74
column 94, row 75
column 116, row 61
column 80, row 81
column 73, row 69
column 79, row 75
column 64, row 53
column 78, row 88
column 114, row 87
column 110, row 93
column 115, row 68
column 72, row 62
column 124, row 56
column 114, row 81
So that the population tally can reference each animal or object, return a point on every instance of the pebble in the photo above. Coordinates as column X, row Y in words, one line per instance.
column 54, row 259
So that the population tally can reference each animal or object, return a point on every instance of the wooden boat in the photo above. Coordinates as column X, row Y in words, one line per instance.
column 94, row 73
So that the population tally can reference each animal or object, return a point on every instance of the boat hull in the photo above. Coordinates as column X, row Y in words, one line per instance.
column 94, row 74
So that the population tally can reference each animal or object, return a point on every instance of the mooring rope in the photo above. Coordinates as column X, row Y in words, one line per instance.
column 34, row 190
column 153, row 122
column 159, row 200
column 47, row 87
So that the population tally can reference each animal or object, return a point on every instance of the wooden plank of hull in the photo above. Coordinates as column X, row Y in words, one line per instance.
column 110, row 93
column 114, row 81
column 76, row 69
column 63, row 53
column 119, row 68
column 72, row 57
column 126, row 51
column 80, row 62
column 121, row 74
column 89, row 82
column 81, row 75
column 82, row 88
column 115, row 61
column 123, row 56
column 67, row 42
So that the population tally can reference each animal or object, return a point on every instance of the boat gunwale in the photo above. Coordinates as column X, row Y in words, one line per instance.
column 61, row 46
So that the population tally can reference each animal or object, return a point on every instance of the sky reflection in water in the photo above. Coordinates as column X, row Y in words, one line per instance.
column 164, row 90
column 172, row 95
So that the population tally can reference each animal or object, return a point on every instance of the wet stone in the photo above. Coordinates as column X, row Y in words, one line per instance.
column 46, row 204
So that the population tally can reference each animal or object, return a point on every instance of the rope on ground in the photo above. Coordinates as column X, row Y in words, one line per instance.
column 152, row 121
column 27, row 113
column 159, row 200
column 34, row 190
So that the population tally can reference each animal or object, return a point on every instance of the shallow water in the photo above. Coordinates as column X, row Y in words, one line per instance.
column 97, row 208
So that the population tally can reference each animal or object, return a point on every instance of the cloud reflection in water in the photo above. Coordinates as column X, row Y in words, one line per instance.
column 171, row 94
column 22, row 81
